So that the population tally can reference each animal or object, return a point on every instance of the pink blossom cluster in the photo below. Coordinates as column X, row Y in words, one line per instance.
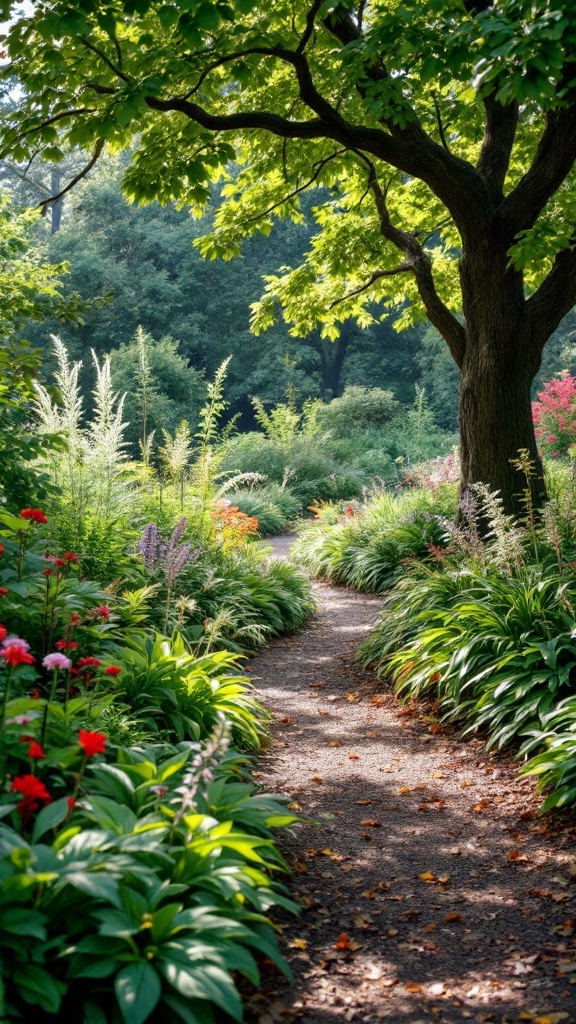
column 554, row 415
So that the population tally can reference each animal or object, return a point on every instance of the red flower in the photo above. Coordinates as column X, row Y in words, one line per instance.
column 66, row 645
column 92, row 742
column 35, row 751
column 15, row 655
column 74, row 691
column 74, row 618
column 3, row 633
column 103, row 611
column 48, row 572
column 35, row 514
column 69, row 557
column 112, row 670
column 59, row 562
column 36, row 694
column 2, row 549
column 88, row 662
column 71, row 803
column 33, row 792
column 3, row 591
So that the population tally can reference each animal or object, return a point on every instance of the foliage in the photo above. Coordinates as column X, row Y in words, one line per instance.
column 273, row 505
column 94, row 503
column 366, row 545
column 554, row 414
column 160, row 386
column 134, row 880
column 358, row 407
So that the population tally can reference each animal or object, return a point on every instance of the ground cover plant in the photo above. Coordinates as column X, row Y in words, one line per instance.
column 137, row 863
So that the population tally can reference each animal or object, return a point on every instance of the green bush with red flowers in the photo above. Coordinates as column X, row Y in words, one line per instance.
column 135, row 880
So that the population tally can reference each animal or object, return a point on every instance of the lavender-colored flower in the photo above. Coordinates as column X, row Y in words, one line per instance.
column 16, row 641
column 56, row 661
column 149, row 546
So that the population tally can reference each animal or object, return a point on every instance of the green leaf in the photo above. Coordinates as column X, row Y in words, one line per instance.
column 138, row 989
column 50, row 817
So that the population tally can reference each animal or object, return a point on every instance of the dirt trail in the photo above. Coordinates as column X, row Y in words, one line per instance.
column 431, row 892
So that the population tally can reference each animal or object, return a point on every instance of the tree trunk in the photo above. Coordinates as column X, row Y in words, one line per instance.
column 499, row 365
column 332, row 356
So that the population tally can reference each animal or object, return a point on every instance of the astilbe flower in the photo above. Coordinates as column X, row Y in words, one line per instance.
column 169, row 558
column 201, row 770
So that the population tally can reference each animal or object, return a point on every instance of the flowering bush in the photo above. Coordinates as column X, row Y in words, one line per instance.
column 554, row 415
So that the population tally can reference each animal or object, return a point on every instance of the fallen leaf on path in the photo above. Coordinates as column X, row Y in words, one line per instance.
column 383, row 885
column 550, row 1018
column 392, row 931
column 286, row 720
column 353, row 696
column 362, row 803
column 453, row 917
column 334, row 743
column 298, row 944
column 427, row 876
column 465, row 784
column 294, row 806
column 516, row 855
column 372, row 822
column 405, row 789
column 565, row 928
column 413, row 986
column 362, row 921
column 438, row 775
column 317, row 778
column 344, row 941
column 482, row 805
column 430, row 928
column 300, row 868
column 369, row 895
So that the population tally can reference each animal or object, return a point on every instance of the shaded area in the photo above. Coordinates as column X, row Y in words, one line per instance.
column 457, row 900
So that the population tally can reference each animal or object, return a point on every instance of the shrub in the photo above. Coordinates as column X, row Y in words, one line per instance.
column 272, row 505
column 554, row 415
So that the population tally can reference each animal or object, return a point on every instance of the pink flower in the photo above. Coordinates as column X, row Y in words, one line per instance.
column 16, row 641
column 56, row 661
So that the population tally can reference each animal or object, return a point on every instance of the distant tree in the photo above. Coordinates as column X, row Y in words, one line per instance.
column 161, row 388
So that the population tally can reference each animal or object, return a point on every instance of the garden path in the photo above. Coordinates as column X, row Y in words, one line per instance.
column 431, row 891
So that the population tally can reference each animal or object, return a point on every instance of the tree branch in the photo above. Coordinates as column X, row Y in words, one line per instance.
column 554, row 298
column 437, row 311
column 552, row 163
column 402, row 268
column 439, row 122
column 319, row 165
column 49, row 121
column 99, row 53
column 77, row 177
column 499, row 135
column 308, row 31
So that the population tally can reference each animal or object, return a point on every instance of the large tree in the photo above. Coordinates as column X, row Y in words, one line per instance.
column 445, row 131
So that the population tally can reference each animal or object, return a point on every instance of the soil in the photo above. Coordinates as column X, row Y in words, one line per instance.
column 431, row 890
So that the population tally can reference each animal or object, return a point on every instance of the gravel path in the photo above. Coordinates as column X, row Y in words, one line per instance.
column 431, row 892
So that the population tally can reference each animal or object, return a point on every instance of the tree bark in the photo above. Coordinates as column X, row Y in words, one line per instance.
column 332, row 357
column 501, row 359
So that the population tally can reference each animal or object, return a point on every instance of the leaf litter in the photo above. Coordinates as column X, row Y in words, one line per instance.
column 407, row 918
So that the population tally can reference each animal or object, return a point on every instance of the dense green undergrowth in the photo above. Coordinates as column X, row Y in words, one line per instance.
column 138, row 864
column 481, row 620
